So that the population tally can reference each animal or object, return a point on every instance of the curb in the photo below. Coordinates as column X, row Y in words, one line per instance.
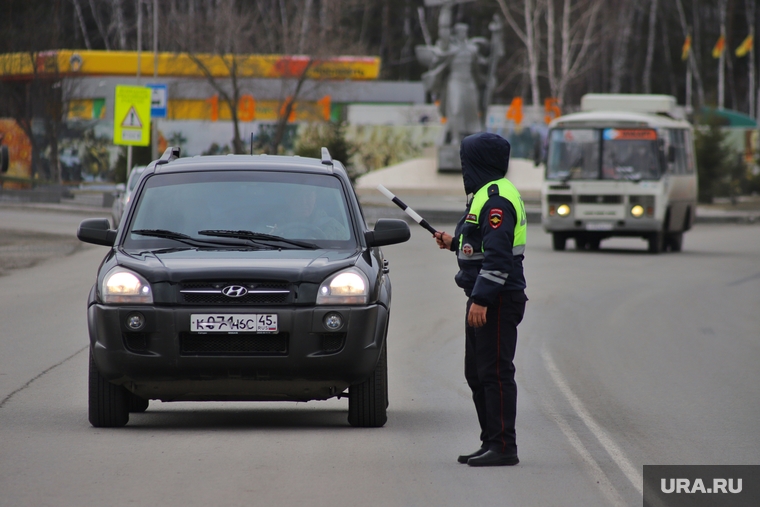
column 57, row 208
column 373, row 213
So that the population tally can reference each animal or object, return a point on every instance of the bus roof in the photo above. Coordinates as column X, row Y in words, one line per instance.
column 617, row 119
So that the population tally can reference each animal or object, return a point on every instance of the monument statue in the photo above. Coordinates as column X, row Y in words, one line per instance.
column 461, row 80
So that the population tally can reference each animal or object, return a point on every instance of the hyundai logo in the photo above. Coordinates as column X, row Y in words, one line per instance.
column 234, row 291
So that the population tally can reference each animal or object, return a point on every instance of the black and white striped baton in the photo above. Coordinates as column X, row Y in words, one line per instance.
column 409, row 211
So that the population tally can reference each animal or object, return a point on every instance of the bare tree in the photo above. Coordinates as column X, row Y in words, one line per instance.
column 232, row 29
column 82, row 25
column 38, row 97
column 119, row 23
column 647, row 78
column 577, row 35
column 101, row 29
column 530, row 34
column 623, row 28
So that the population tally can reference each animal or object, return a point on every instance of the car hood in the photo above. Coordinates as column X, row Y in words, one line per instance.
column 190, row 264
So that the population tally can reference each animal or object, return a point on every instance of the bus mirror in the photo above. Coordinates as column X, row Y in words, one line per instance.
column 538, row 155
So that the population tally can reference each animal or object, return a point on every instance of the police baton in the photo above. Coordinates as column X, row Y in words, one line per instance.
column 409, row 211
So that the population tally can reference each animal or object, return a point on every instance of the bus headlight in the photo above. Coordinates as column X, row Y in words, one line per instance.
column 637, row 211
column 563, row 210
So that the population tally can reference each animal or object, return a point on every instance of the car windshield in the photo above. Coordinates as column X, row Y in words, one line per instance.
column 626, row 154
column 254, row 206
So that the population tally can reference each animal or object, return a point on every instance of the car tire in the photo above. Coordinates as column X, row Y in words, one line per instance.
column 108, row 403
column 137, row 404
column 559, row 241
column 581, row 244
column 675, row 241
column 656, row 242
column 367, row 401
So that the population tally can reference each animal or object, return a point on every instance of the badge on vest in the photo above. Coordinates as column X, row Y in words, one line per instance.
column 467, row 249
column 495, row 218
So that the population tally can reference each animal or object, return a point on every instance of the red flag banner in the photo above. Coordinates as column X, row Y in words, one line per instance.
column 720, row 46
column 686, row 48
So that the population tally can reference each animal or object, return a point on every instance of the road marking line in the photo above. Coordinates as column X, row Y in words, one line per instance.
column 608, row 490
column 615, row 452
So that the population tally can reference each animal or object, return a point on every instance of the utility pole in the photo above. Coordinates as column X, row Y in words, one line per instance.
column 154, row 121
column 139, row 47
column 722, row 57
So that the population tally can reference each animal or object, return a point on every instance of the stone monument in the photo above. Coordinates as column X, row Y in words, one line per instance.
column 461, row 79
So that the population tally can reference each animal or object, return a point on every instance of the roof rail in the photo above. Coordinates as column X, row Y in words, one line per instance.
column 326, row 157
column 171, row 153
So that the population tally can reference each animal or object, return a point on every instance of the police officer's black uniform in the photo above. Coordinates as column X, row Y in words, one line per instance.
column 490, row 243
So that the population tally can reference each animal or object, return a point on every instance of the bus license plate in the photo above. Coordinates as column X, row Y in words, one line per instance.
column 234, row 323
column 598, row 226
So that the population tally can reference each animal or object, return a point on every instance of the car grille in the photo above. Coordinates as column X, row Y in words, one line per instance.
column 257, row 293
column 333, row 342
column 243, row 344
column 600, row 199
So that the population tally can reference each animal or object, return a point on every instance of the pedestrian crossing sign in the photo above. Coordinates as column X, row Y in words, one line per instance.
column 131, row 120
column 132, row 115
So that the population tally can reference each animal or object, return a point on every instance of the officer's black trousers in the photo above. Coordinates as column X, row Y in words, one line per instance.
column 490, row 371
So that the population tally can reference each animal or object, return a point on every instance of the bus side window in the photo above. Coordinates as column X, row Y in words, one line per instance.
column 689, row 143
column 678, row 141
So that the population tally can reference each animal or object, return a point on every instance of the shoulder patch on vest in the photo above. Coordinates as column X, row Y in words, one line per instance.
column 471, row 217
column 495, row 218
column 493, row 190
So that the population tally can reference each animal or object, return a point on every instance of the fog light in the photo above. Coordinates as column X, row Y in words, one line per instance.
column 637, row 211
column 333, row 321
column 563, row 210
column 135, row 321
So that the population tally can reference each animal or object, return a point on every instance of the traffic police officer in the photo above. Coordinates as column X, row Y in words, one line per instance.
column 490, row 244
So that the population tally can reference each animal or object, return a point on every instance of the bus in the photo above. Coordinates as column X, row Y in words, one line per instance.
column 623, row 166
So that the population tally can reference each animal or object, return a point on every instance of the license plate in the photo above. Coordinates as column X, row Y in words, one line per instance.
column 598, row 226
column 234, row 323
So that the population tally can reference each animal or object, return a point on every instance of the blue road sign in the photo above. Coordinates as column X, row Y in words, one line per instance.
column 159, row 98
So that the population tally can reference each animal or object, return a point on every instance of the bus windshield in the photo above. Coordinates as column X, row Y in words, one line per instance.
column 626, row 154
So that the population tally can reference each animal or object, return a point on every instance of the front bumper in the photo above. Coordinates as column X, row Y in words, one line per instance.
column 604, row 227
column 315, row 363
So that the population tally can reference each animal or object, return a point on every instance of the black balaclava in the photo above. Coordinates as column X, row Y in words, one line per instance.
column 485, row 157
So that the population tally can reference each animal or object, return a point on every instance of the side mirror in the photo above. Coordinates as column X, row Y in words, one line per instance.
column 96, row 231
column 538, row 157
column 388, row 232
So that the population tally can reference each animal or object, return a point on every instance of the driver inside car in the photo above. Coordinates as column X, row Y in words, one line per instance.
column 303, row 218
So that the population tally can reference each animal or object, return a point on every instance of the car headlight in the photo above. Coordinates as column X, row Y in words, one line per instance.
column 563, row 210
column 347, row 287
column 121, row 285
column 637, row 211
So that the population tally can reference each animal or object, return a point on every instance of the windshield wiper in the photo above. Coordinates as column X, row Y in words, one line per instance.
column 254, row 236
column 184, row 238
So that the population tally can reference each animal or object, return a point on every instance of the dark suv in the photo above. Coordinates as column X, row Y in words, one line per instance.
column 240, row 278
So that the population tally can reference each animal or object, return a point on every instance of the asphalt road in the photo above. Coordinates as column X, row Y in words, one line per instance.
column 624, row 359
